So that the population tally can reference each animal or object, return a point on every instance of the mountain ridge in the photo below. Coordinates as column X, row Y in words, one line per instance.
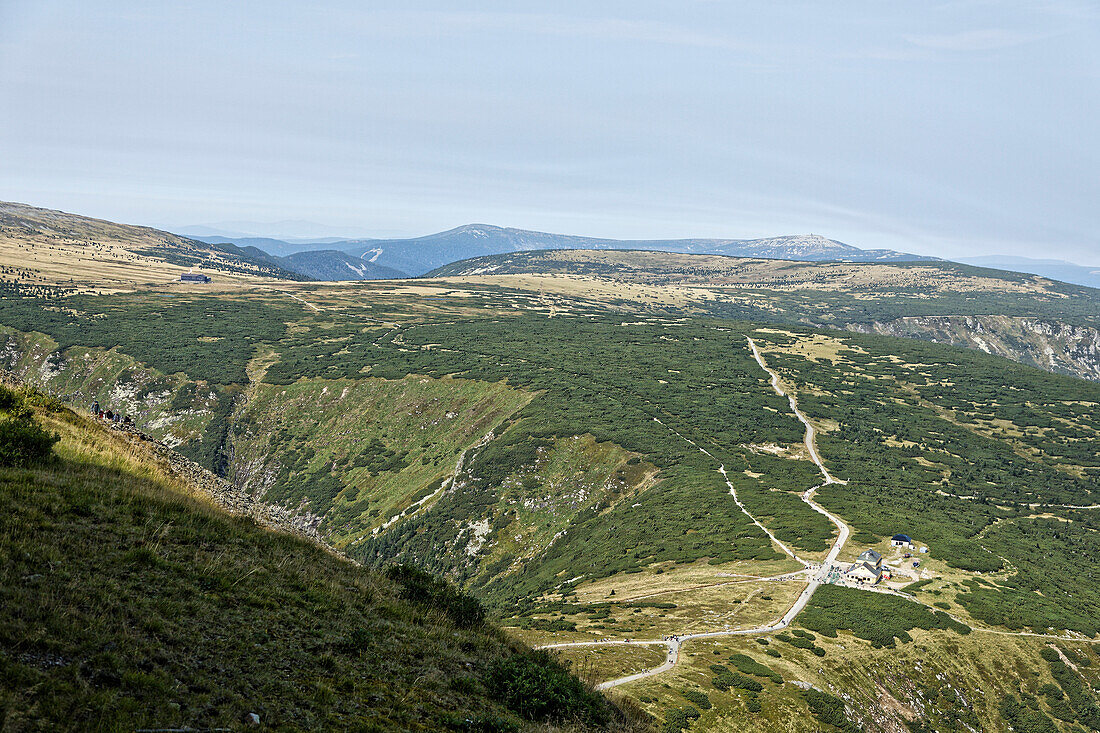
column 1069, row 272
column 419, row 255
column 102, row 251
column 483, row 239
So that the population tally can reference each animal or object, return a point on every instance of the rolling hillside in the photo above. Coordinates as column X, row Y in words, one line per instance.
column 570, row 458
column 131, row 599
column 1027, row 318
column 659, row 464
column 42, row 247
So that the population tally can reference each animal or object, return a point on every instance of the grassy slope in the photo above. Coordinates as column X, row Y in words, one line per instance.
column 394, row 442
column 46, row 247
column 126, row 601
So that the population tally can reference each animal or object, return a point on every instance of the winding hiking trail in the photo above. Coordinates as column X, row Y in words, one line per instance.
column 817, row 577
column 673, row 643
column 811, row 446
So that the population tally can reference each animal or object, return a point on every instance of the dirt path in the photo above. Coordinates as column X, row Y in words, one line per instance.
column 843, row 531
column 675, row 642
column 448, row 482
column 733, row 493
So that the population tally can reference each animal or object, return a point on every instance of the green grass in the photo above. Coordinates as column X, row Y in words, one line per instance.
column 127, row 602
column 359, row 451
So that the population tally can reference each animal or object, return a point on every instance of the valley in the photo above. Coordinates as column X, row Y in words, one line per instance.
column 662, row 474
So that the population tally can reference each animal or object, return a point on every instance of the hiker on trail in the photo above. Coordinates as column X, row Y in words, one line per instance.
column 95, row 407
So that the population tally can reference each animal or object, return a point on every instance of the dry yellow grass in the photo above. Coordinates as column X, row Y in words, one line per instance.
column 44, row 247
column 678, row 578
column 600, row 663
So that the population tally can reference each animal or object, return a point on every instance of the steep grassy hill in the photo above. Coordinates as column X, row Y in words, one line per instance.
column 129, row 600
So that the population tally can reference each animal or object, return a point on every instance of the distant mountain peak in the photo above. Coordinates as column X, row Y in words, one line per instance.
column 811, row 242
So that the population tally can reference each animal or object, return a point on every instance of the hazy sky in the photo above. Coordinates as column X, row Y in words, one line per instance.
column 948, row 128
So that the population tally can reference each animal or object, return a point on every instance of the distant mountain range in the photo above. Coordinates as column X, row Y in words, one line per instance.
column 274, row 247
column 330, row 264
column 1054, row 269
column 419, row 255
column 316, row 260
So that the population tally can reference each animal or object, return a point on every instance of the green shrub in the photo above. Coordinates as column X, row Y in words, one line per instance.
column 23, row 442
column 1024, row 719
column 423, row 588
column 699, row 698
column 536, row 686
column 679, row 718
column 1079, row 701
column 748, row 665
column 42, row 401
column 725, row 680
column 829, row 709
column 11, row 400
column 876, row 617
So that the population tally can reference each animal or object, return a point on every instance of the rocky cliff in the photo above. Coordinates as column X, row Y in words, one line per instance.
column 1056, row 347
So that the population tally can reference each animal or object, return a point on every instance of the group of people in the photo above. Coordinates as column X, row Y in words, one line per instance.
column 110, row 415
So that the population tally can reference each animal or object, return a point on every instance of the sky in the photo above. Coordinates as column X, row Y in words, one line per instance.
column 954, row 129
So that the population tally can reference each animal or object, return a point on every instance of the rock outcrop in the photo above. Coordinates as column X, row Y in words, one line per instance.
column 229, row 497
column 1056, row 347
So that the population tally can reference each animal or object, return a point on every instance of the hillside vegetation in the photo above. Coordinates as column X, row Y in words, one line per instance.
column 604, row 458
column 129, row 601
column 1027, row 318
column 349, row 419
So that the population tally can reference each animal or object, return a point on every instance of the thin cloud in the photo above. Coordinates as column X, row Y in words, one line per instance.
column 986, row 39
column 607, row 29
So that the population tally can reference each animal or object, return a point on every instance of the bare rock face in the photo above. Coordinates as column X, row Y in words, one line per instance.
column 229, row 497
column 1055, row 347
